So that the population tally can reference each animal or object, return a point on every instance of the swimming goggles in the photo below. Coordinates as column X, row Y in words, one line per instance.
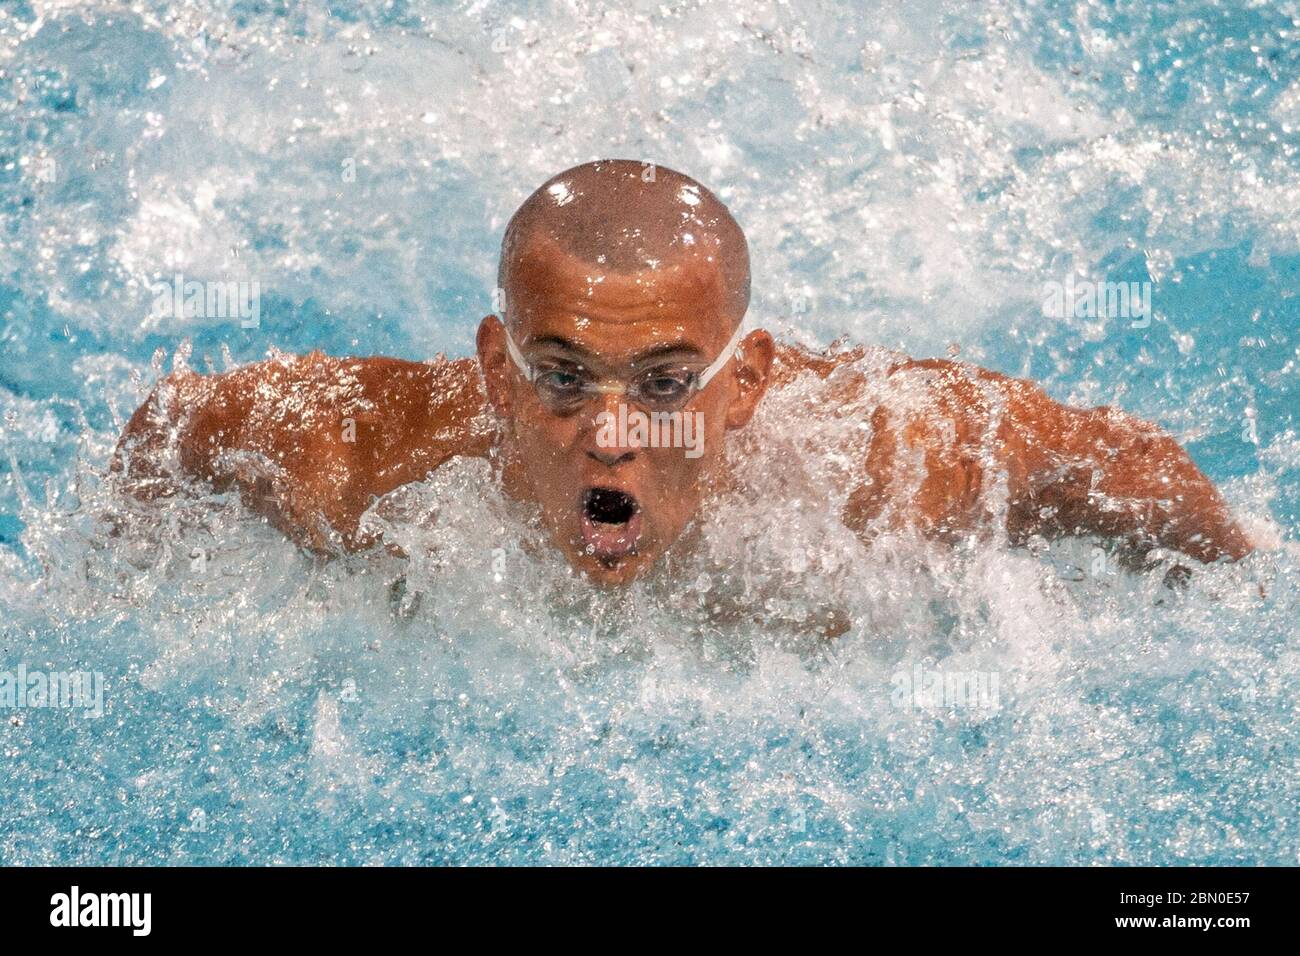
column 566, row 386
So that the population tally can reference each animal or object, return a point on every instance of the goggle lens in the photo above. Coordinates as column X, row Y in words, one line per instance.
column 566, row 389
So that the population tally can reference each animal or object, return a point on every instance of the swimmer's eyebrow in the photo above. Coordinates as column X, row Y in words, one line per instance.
column 667, row 348
column 641, row 358
column 560, row 342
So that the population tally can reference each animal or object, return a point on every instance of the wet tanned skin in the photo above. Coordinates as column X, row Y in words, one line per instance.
column 276, row 430
column 287, row 423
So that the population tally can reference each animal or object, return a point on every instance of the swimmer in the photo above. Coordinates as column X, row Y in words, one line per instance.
column 624, row 300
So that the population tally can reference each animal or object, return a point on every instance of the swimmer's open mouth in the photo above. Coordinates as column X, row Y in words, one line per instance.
column 611, row 522
column 607, row 506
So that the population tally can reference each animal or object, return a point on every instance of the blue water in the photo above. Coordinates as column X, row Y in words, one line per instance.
column 909, row 177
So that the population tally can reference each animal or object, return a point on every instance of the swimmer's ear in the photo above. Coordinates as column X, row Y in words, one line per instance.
column 753, row 374
column 493, row 362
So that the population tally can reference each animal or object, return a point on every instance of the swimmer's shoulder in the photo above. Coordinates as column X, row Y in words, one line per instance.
column 389, row 404
column 793, row 361
column 439, row 382
column 376, row 382
column 408, row 407
column 436, row 407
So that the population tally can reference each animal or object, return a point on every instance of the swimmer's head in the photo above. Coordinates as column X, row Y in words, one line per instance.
column 615, row 366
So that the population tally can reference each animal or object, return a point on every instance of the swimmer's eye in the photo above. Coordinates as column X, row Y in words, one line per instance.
column 666, row 388
column 558, row 386
column 559, row 381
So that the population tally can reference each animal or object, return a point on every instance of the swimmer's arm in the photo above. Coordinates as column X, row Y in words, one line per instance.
column 308, row 442
column 1067, row 471
column 1104, row 472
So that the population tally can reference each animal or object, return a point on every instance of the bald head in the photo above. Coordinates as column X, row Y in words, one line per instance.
column 626, row 218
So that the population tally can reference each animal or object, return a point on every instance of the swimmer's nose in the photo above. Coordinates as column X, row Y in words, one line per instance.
column 607, row 456
column 612, row 445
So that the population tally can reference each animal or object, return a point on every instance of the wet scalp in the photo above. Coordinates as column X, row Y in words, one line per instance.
column 624, row 216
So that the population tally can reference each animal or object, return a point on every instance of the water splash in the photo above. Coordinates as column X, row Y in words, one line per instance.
column 907, row 180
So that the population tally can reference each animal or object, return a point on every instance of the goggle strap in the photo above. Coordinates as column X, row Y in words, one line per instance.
column 517, row 357
column 721, row 361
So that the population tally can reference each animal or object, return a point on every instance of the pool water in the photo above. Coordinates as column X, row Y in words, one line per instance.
column 910, row 177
